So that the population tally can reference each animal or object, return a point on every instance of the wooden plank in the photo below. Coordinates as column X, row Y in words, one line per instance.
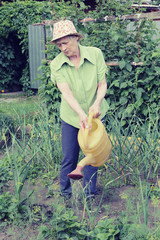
column 145, row 6
column 112, row 63
column 133, row 17
column 45, row 22
column 115, row 63
column 136, row 64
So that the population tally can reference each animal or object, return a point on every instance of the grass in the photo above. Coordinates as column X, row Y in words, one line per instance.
column 19, row 105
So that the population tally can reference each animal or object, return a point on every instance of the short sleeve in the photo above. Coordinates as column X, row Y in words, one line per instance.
column 101, row 66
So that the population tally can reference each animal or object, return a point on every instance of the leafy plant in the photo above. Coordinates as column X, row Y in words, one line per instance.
column 16, row 17
column 19, row 174
column 25, row 81
column 7, row 127
column 134, row 231
column 4, row 177
column 6, row 122
column 105, row 230
column 63, row 225
column 6, row 207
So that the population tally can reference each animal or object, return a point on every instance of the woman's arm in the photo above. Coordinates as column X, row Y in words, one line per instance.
column 101, row 92
column 73, row 103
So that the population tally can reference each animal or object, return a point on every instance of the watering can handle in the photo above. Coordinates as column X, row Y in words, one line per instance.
column 86, row 131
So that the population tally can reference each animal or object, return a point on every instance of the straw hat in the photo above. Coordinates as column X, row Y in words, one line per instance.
column 64, row 28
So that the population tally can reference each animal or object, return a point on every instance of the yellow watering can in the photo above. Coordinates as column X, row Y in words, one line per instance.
column 95, row 144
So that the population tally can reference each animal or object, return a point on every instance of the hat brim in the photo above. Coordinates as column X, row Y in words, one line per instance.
column 73, row 34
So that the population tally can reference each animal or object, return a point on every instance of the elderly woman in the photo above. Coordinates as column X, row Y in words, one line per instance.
column 79, row 73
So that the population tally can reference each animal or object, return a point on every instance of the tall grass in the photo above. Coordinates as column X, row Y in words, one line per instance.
column 136, row 152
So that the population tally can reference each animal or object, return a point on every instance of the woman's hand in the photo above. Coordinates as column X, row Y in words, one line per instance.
column 83, row 121
column 96, row 109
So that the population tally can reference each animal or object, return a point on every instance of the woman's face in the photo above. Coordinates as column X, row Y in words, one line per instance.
column 68, row 45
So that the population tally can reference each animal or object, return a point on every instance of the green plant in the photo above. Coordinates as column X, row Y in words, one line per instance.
column 133, row 206
column 25, row 81
column 16, row 17
column 134, row 231
column 11, row 63
column 154, row 192
column 6, row 121
column 154, row 235
column 136, row 86
column 105, row 230
column 63, row 225
column 133, row 146
column 4, row 177
column 5, row 203
column 19, row 175
column 7, row 126
column 8, row 208
column 46, row 132
column 51, row 97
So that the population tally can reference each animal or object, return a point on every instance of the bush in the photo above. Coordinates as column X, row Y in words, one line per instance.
column 7, row 127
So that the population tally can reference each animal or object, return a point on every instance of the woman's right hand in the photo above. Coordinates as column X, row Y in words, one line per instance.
column 83, row 121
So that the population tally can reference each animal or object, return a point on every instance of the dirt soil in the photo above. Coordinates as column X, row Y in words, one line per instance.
column 113, row 204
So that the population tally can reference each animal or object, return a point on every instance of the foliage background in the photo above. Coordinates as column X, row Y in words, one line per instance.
column 132, row 91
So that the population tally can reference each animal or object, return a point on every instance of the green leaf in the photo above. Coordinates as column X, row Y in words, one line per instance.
column 122, row 53
column 116, row 37
column 115, row 83
column 138, row 92
column 138, row 103
column 123, row 123
column 123, row 100
column 129, row 109
column 129, row 67
column 24, row 172
column 157, row 69
column 122, row 64
column 123, row 85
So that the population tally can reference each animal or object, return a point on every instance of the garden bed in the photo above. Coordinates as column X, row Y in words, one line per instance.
column 131, row 202
column 116, row 202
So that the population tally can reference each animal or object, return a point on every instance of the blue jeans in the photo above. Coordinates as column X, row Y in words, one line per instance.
column 70, row 149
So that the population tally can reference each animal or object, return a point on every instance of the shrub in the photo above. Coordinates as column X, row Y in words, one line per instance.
column 7, row 126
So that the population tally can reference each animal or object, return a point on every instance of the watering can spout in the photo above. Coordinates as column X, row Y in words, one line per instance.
column 77, row 173
column 95, row 144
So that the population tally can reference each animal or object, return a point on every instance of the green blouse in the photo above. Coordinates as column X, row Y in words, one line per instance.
column 82, row 82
